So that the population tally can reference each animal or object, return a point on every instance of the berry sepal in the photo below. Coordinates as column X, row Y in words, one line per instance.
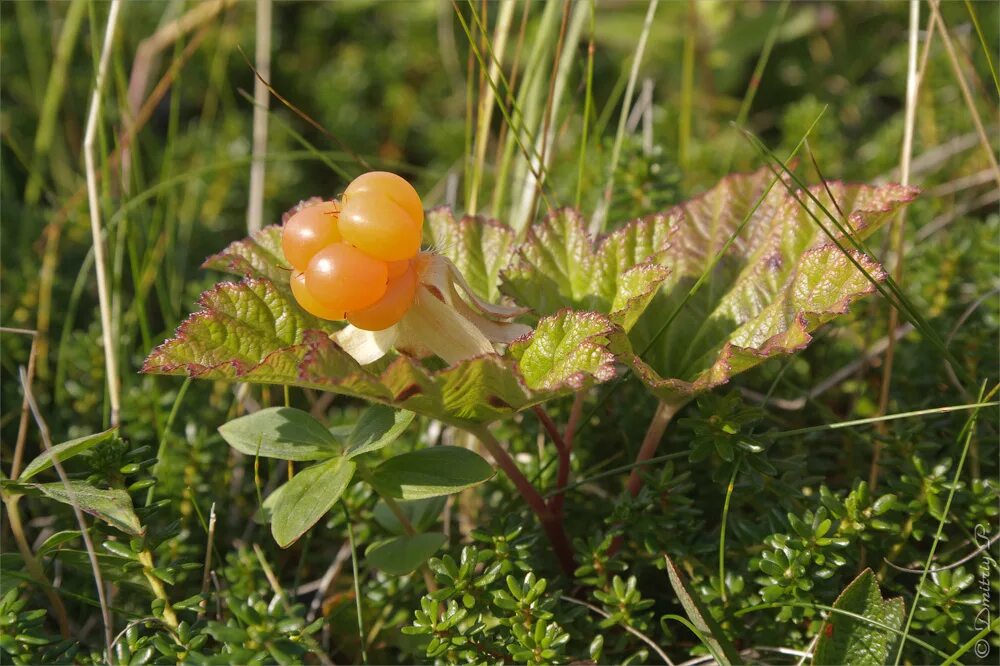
column 440, row 322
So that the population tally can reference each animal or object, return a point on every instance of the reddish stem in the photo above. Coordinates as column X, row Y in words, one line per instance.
column 664, row 413
column 551, row 523
column 563, row 449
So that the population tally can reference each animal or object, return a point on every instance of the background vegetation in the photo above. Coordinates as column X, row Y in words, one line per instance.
column 398, row 84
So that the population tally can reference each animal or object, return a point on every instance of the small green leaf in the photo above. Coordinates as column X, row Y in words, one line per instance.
column 421, row 514
column 112, row 505
column 307, row 496
column 57, row 540
column 439, row 470
column 280, row 432
column 378, row 427
column 64, row 451
column 701, row 617
column 851, row 640
column 401, row 555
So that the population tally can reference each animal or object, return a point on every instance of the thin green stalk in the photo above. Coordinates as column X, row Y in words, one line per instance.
column 516, row 130
column 357, row 583
column 687, row 87
column 33, row 566
column 722, row 530
column 162, row 448
column 968, row 645
column 878, row 419
column 758, row 75
column 839, row 611
column 484, row 117
column 51, row 102
column 526, row 107
column 588, row 102
column 982, row 43
column 600, row 213
column 969, row 431
column 898, row 299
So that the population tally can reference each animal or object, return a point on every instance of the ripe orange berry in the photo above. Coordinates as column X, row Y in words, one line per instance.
column 389, row 309
column 309, row 231
column 379, row 226
column 392, row 186
column 397, row 268
column 309, row 302
column 343, row 277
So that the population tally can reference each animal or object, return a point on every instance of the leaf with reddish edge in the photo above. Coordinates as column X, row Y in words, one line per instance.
column 252, row 332
column 480, row 247
column 780, row 279
column 559, row 265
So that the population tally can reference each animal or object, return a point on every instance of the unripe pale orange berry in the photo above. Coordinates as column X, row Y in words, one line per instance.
column 376, row 224
column 389, row 309
column 309, row 302
column 309, row 231
column 392, row 186
column 343, row 277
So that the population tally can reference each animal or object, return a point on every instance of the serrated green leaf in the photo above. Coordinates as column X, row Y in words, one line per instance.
column 778, row 281
column 560, row 266
column 258, row 256
column 112, row 505
column 378, row 427
column 438, row 470
column 307, row 496
column 566, row 350
column 64, row 451
column 479, row 247
column 403, row 554
column 421, row 514
column 281, row 432
column 851, row 640
column 724, row 652
column 251, row 332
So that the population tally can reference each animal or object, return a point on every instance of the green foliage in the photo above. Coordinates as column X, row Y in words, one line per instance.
column 866, row 635
column 638, row 312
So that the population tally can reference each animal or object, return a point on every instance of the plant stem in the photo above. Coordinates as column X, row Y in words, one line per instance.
column 146, row 560
column 357, row 583
column 551, row 523
column 404, row 520
column 664, row 413
column 33, row 566
column 722, row 530
column 563, row 449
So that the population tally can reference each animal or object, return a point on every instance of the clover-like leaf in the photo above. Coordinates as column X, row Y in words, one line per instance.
column 253, row 332
column 479, row 247
column 865, row 631
column 560, row 266
column 780, row 279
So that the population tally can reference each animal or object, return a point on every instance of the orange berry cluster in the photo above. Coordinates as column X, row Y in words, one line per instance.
column 352, row 260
